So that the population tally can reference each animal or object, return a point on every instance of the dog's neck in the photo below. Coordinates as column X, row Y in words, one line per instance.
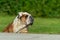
column 18, row 25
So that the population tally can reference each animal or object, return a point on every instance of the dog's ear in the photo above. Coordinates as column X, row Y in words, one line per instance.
column 19, row 14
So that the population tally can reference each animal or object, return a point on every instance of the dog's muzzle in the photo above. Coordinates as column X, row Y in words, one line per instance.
column 30, row 20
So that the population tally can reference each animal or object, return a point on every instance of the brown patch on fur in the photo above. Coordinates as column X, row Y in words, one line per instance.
column 23, row 18
column 9, row 28
column 25, row 30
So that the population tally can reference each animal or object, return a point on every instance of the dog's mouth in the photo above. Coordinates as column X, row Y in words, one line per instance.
column 31, row 24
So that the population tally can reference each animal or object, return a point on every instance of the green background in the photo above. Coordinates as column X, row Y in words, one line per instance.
column 38, row 8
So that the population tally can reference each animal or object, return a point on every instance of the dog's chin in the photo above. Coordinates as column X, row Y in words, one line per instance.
column 30, row 24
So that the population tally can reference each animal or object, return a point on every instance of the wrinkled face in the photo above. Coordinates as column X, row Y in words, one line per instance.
column 26, row 18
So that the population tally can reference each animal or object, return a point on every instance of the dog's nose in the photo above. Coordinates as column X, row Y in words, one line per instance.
column 31, row 20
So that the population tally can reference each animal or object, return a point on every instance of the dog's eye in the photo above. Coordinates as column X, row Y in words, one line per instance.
column 26, row 16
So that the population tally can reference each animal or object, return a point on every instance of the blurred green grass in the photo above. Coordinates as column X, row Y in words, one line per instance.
column 46, row 25
column 40, row 25
column 4, row 21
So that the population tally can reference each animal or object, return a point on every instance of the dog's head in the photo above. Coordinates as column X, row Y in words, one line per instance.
column 26, row 18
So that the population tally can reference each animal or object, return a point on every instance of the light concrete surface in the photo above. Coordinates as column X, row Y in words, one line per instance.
column 18, row 36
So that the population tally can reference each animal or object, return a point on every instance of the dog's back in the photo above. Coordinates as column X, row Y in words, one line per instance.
column 9, row 28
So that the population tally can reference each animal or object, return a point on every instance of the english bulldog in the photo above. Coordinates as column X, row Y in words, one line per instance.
column 20, row 23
